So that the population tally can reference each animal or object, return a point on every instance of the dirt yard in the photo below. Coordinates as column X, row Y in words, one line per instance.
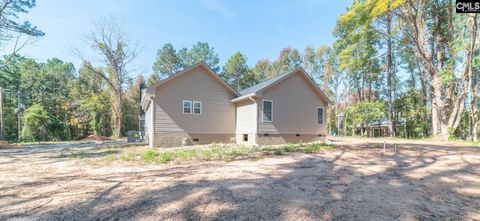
column 422, row 181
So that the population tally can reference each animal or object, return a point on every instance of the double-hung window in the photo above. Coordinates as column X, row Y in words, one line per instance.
column 192, row 107
column 197, row 107
column 267, row 107
column 187, row 106
column 320, row 115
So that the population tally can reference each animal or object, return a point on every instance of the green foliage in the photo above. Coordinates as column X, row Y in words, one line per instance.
column 40, row 125
column 168, row 61
column 365, row 112
column 237, row 73
column 289, row 59
column 9, row 15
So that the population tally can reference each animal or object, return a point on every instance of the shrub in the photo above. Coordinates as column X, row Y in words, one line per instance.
column 39, row 125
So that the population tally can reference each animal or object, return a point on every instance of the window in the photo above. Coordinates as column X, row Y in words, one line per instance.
column 187, row 107
column 267, row 107
column 197, row 107
column 320, row 115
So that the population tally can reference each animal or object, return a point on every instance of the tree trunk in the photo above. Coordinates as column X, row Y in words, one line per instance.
column 390, row 131
column 459, row 103
column 474, row 101
column 117, row 115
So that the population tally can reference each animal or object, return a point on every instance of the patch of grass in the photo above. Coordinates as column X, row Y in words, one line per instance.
column 150, row 155
column 220, row 152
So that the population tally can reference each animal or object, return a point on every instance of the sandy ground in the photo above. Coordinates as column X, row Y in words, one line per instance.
column 422, row 181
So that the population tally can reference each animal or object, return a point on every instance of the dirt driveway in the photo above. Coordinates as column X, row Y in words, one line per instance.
column 354, row 182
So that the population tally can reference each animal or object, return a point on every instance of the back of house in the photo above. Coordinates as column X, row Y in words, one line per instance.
column 191, row 107
column 195, row 106
column 288, row 108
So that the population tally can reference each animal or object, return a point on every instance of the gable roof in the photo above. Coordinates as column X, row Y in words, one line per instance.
column 151, row 89
column 259, row 88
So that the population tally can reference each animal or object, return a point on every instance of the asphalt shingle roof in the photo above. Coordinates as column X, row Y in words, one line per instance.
column 263, row 85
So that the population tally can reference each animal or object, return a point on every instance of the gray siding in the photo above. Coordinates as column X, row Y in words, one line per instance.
column 294, row 108
column 218, row 113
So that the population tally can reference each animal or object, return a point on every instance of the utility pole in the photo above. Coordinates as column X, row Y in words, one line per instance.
column 1, row 114
column 19, row 113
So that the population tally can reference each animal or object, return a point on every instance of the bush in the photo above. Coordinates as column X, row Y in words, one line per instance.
column 39, row 125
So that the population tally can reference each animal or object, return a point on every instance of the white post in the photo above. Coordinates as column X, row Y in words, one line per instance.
column 384, row 144
column 1, row 114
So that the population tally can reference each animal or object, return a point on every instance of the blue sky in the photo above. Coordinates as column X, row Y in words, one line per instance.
column 259, row 29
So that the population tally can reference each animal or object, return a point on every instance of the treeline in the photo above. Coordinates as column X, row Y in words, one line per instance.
column 411, row 63
column 53, row 101
column 418, row 60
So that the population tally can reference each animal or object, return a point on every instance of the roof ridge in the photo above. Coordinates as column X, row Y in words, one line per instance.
column 267, row 82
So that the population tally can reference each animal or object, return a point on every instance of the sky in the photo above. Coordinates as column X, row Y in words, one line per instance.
column 259, row 29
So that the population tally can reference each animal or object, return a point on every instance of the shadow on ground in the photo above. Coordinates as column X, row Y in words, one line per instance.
column 420, row 182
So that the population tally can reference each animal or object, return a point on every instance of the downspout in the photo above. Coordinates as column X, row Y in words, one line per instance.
column 255, row 107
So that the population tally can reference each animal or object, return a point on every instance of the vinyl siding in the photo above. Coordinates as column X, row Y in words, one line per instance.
column 149, row 124
column 218, row 113
column 294, row 108
column 246, row 117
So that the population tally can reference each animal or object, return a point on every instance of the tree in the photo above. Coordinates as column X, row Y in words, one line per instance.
column 91, row 102
column 235, row 69
column 200, row 52
column 10, row 25
column 153, row 79
column 111, row 43
column 367, row 16
column 167, row 62
column 131, row 104
column 289, row 59
column 441, row 47
column 263, row 69
column 40, row 125
column 365, row 112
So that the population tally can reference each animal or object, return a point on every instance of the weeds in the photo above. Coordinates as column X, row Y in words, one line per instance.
column 220, row 152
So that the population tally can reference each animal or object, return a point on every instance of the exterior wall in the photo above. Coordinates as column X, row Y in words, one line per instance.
column 294, row 110
column 218, row 113
column 276, row 139
column 246, row 122
column 175, row 139
column 149, row 124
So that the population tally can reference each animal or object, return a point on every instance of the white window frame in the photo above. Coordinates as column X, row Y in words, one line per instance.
column 263, row 111
column 183, row 107
column 193, row 107
column 323, row 115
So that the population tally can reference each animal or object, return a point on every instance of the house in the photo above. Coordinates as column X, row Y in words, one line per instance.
column 379, row 127
column 195, row 106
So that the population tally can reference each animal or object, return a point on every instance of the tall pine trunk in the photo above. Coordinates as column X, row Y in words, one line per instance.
column 390, row 131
